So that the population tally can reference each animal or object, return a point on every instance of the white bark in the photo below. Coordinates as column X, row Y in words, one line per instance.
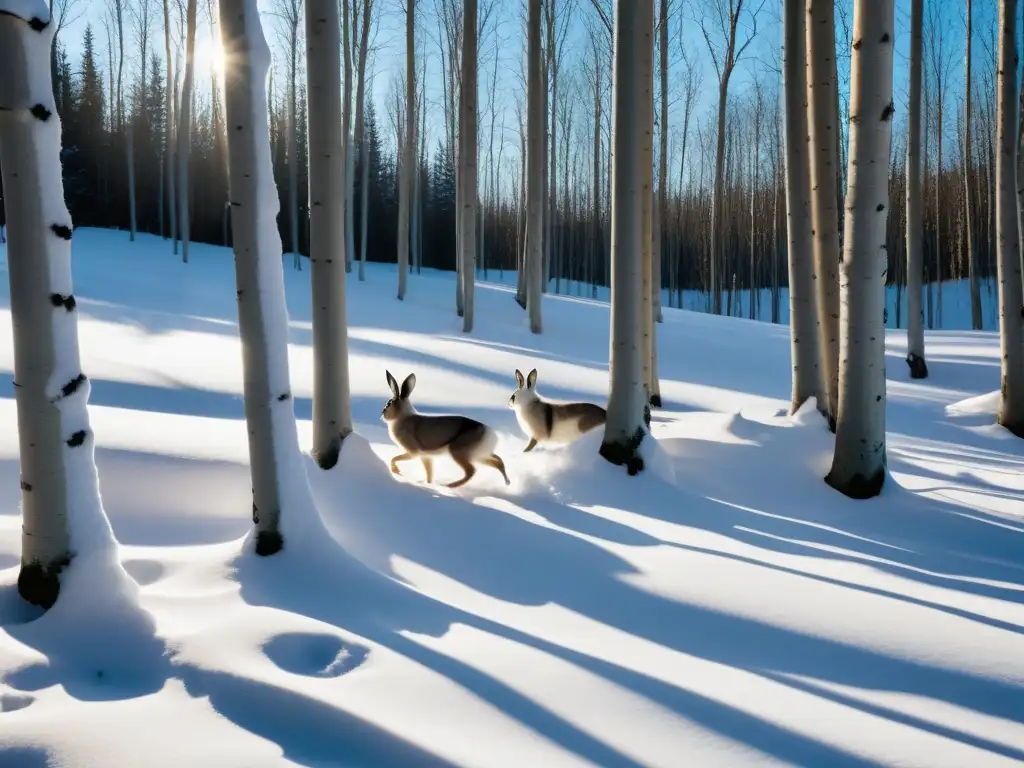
column 407, row 148
column 1011, row 290
column 346, row 128
column 332, row 410
column 468, row 161
column 293, row 132
column 972, row 257
column 823, row 103
column 624, row 429
column 58, row 473
column 169, row 120
column 646, row 86
column 262, row 319
column 915, row 203
column 802, row 300
column 535, row 168
column 185, row 132
column 364, row 147
column 859, row 465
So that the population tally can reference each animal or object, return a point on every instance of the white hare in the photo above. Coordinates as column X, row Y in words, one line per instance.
column 467, row 441
column 547, row 422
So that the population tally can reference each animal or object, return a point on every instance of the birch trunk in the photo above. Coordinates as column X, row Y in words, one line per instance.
column 130, row 152
column 624, row 429
column 1011, row 290
column 802, row 301
column 332, row 410
column 646, row 85
column 346, row 129
column 42, row 307
column 407, row 150
column 468, row 161
column 262, row 317
column 662, row 217
column 972, row 257
column 185, row 132
column 169, row 121
column 535, row 168
column 293, row 143
column 364, row 151
column 914, row 193
column 823, row 102
column 859, row 463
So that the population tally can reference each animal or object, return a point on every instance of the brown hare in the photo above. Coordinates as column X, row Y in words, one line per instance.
column 546, row 422
column 422, row 437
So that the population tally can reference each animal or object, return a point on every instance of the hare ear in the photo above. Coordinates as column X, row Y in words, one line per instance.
column 519, row 378
column 531, row 380
column 408, row 385
column 392, row 383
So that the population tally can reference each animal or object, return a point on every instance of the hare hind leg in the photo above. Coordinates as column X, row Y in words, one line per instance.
column 428, row 468
column 467, row 467
column 494, row 460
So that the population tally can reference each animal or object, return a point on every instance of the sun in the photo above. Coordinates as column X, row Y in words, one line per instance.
column 209, row 56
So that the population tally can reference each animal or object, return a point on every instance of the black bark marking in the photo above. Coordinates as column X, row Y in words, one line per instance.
column 255, row 514
column 68, row 302
column 77, row 439
column 885, row 37
column 888, row 112
column 856, row 45
column 283, row 396
column 61, row 230
column 37, row 25
column 880, row 208
column 72, row 386
column 39, row 112
column 27, row 487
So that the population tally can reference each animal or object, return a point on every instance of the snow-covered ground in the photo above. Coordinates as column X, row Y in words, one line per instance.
column 723, row 608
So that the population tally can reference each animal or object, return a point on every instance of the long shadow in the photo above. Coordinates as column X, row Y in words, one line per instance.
column 513, row 559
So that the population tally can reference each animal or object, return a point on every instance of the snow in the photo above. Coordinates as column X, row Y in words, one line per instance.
column 725, row 605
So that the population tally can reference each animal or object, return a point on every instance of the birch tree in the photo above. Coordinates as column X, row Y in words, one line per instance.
column 262, row 314
column 859, row 464
column 972, row 253
column 407, row 150
column 823, row 101
column 535, row 167
column 915, row 201
column 290, row 14
column 59, row 492
column 467, row 161
column 624, row 429
column 169, row 121
column 361, row 51
column 1011, row 290
column 185, row 131
column 802, row 300
column 721, row 18
column 647, row 325
column 332, row 410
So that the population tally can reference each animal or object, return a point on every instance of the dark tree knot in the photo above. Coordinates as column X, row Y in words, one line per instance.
column 77, row 439
column 26, row 487
column 880, row 207
column 888, row 112
column 68, row 302
column 885, row 37
column 283, row 396
column 37, row 25
column 61, row 230
column 72, row 386
column 39, row 112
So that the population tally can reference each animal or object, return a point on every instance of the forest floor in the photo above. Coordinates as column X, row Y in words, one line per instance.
column 723, row 608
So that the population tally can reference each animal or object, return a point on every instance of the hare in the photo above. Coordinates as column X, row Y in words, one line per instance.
column 423, row 437
column 546, row 422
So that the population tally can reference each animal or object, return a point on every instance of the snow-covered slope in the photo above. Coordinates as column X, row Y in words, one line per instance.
column 724, row 608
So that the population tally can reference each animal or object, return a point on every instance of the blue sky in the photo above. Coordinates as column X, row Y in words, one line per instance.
column 505, row 36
